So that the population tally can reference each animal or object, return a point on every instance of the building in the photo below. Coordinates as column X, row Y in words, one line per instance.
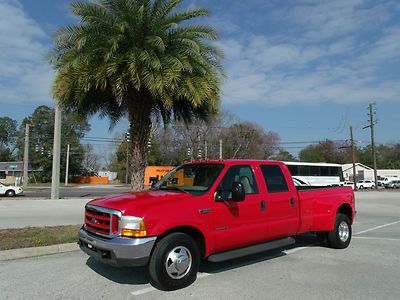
column 11, row 172
column 388, row 173
column 363, row 172
column 110, row 175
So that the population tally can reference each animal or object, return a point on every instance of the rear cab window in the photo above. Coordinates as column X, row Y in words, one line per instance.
column 274, row 178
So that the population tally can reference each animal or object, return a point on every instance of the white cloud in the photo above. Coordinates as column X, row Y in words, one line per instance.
column 25, row 76
column 343, row 49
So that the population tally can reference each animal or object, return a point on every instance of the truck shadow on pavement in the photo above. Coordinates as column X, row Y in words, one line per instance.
column 140, row 275
column 304, row 240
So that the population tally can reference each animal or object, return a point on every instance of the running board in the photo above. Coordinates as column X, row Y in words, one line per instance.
column 227, row 255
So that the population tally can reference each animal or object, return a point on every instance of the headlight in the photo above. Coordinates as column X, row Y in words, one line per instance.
column 132, row 227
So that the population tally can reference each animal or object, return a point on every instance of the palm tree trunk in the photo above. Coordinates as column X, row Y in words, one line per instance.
column 139, row 129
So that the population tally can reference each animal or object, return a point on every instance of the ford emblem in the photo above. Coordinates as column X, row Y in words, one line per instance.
column 94, row 221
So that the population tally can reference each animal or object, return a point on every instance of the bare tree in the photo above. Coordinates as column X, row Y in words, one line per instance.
column 90, row 163
column 248, row 140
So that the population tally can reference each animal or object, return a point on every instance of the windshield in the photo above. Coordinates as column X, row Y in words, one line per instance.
column 195, row 179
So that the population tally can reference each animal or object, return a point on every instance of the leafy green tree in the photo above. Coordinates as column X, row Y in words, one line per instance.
column 137, row 58
column 284, row 155
column 387, row 156
column 8, row 137
column 326, row 151
column 41, row 123
column 118, row 163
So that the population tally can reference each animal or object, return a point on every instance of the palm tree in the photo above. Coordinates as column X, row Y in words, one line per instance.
column 136, row 59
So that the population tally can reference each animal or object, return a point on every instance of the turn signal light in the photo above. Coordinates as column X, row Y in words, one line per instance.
column 133, row 227
column 132, row 233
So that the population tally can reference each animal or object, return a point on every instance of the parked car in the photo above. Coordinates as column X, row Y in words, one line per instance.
column 9, row 190
column 394, row 184
column 365, row 184
column 298, row 182
column 215, row 210
column 349, row 183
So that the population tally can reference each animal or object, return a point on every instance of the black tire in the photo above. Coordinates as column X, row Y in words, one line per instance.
column 322, row 237
column 338, row 238
column 10, row 193
column 161, row 257
column 361, row 187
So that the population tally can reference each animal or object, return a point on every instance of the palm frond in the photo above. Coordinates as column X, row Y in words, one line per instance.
column 125, row 52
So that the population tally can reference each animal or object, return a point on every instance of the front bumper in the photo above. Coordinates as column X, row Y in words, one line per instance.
column 118, row 251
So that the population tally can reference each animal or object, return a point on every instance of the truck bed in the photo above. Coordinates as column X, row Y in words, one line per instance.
column 319, row 205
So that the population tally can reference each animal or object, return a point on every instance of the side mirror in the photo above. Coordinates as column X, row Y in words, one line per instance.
column 238, row 193
column 218, row 196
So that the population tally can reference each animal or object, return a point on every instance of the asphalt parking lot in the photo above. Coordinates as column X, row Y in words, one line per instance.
column 368, row 269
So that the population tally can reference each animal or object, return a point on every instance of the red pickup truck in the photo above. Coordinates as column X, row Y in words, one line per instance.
column 215, row 210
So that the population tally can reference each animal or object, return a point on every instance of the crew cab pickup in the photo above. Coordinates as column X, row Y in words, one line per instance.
column 215, row 210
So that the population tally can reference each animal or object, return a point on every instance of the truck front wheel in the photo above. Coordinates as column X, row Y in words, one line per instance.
column 175, row 261
column 340, row 236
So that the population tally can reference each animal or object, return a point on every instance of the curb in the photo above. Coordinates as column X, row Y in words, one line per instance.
column 37, row 251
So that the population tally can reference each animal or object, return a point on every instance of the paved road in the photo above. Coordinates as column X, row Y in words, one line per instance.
column 74, row 192
column 368, row 269
column 18, row 214
column 23, row 212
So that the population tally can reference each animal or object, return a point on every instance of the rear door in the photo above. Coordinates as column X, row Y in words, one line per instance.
column 239, row 223
column 282, row 203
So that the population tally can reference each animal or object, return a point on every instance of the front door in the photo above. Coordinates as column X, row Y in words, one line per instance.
column 242, row 223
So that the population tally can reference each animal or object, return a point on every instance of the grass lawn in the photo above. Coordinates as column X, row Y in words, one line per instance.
column 37, row 236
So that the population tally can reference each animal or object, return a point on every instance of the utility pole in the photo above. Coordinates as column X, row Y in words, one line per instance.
column 67, row 167
column 353, row 158
column 127, row 139
column 55, row 178
column 220, row 149
column 373, row 152
column 26, row 157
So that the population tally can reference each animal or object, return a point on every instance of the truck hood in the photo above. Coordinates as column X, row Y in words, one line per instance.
column 139, row 201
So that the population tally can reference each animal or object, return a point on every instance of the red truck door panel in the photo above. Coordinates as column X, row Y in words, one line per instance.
column 239, row 223
column 282, row 203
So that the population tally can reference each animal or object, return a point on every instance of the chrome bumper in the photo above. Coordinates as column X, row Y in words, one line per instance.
column 120, row 252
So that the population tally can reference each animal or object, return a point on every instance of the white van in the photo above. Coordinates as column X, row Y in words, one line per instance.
column 385, row 180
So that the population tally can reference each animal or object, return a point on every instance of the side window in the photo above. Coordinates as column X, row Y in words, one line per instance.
column 274, row 178
column 244, row 175
column 304, row 170
column 294, row 170
column 324, row 171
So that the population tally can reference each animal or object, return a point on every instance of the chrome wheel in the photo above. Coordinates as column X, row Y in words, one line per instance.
column 344, row 231
column 178, row 262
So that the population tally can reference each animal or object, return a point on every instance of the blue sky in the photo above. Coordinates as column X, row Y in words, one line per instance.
column 306, row 69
